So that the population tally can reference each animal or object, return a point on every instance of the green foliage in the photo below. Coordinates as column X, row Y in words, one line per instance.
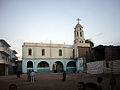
column 89, row 41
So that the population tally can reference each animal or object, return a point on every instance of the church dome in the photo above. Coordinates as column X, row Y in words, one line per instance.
column 78, row 25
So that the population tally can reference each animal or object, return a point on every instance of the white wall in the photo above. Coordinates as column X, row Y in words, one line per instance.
column 79, row 65
column 95, row 67
column 99, row 67
column 51, row 50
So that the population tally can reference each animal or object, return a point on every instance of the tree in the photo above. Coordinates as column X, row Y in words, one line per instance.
column 89, row 41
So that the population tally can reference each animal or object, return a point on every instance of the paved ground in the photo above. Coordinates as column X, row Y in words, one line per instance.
column 53, row 81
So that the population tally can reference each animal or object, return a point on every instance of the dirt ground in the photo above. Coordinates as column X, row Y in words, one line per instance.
column 54, row 81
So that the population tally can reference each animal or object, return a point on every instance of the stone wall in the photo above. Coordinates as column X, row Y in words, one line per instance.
column 95, row 67
column 99, row 67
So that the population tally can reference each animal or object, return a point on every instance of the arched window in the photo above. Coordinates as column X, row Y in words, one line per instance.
column 60, row 52
column 29, row 64
column 107, row 64
column 29, row 51
column 71, row 64
column 77, row 33
column 43, row 52
column 43, row 64
column 80, row 34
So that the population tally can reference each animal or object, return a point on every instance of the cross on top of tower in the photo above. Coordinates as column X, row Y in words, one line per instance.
column 78, row 20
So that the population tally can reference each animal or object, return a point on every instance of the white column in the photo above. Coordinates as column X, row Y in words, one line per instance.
column 35, row 65
column 51, row 66
column 64, row 65
column 24, row 66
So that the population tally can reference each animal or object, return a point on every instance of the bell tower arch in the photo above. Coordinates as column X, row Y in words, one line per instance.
column 79, row 33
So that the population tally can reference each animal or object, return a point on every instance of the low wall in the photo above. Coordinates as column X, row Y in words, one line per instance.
column 43, row 70
column 95, row 67
column 116, row 67
column 70, row 69
column 99, row 67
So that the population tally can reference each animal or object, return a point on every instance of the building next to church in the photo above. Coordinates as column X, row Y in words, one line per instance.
column 7, row 58
column 104, row 60
column 50, row 57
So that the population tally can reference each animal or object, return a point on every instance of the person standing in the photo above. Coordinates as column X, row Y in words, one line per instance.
column 32, row 75
column 64, row 76
column 55, row 67
column 28, row 76
column 18, row 74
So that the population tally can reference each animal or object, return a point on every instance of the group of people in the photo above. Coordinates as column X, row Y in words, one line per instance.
column 31, row 76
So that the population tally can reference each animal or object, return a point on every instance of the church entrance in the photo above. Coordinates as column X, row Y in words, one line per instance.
column 57, row 67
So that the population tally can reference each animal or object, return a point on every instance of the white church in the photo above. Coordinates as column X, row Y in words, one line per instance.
column 56, row 58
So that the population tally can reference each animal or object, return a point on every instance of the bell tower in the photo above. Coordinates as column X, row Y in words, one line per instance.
column 79, row 33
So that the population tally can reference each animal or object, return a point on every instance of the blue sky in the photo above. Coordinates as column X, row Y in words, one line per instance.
column 44, row 20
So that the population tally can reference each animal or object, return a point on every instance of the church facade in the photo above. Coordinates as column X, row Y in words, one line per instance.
column 50, row 57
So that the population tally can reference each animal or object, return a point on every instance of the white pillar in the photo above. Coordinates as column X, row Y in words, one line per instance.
column 51, row 66
column 35, row 66
column 79, row 65
column 64, row 66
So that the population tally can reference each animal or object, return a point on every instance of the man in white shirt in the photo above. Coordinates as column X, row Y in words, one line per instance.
column 32, row 74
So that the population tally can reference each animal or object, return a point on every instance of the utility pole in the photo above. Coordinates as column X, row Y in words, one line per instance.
column 50, row 50
column 112, row 80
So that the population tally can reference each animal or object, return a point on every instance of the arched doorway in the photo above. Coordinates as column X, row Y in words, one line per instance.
column 43, row 64
column 71, row 64
column 57, row 67
column 29, row 64
column 43, row 67
column 71, row 67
